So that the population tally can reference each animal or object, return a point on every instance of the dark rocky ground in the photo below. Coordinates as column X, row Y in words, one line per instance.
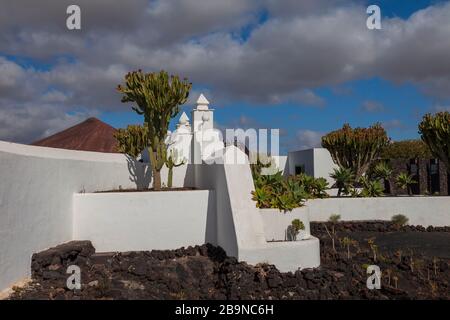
column 414, row 262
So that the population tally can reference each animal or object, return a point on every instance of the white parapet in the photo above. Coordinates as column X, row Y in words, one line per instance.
column 240, row 226
column 134, row 221
column 420, row 210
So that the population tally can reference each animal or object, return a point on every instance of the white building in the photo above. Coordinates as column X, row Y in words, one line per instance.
column 315, row 162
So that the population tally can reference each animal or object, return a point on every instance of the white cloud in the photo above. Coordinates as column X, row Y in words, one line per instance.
column 372, row 106
column 302, row 46
column 306, row 139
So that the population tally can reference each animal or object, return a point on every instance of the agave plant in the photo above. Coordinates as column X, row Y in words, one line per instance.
column 273, row 191
column 320, row 188
column 307, row 182
column 371, row 188
column 383, row 171
column 405, row 181
column 344, row 180
column 259, row 162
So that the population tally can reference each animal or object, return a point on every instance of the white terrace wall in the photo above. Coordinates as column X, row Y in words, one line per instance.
column 134, row 221
column 240, row 227
column 36, row 190
column 420, row 210
column 276, row 222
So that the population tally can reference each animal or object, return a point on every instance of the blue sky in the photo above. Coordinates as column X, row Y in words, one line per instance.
column 305, row 67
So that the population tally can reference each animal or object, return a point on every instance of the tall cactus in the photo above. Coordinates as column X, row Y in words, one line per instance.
column 171, row 162
column 435, row 132
column 356, row 148
column 158, row 97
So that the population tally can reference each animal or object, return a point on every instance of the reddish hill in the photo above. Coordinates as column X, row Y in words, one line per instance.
column 89, row 135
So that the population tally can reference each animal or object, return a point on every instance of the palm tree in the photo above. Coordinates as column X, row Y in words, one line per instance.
column 344, row 180
column 404, row 181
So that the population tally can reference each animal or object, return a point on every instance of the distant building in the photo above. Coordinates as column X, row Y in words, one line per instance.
column 431, row 174
column 89, row 135
column 315, row 162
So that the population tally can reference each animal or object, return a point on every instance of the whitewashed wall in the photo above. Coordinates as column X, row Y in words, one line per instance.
column 36, row 189
column 420, row 210
column 276, row 222
column 240, row 227
column 130, row 221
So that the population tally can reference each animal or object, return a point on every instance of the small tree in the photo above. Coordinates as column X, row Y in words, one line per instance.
column 356, row 148
column 333, row 220
column 435, row 132
column 347, row 242
column 158, row 98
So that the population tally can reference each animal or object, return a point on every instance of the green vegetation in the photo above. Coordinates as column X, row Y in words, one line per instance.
column 344, row 180
column 171, row 162
column 373, row 247
column 347, row 242
column 334, row 218
column 132, row 140
column 355, row 149
column 157, row 97
column 273, row 191
column 399, row 219
column 435, row 132
column 371, row 188
column 406, row 149
column 382, row 171
column 405, row 181
column 294, row 229
column 276, row 191
column 258, row 162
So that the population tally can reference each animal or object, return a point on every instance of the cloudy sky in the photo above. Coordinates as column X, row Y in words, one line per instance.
column 304, row 66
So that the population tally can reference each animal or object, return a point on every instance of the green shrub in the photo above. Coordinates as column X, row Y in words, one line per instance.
column 406, row 149
column 294, row 229
column 383, row 171
column 399, row 219
column 371, row 188
column 334, row 218
column 275, row 191
column 405, row 181
column 344, row 179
